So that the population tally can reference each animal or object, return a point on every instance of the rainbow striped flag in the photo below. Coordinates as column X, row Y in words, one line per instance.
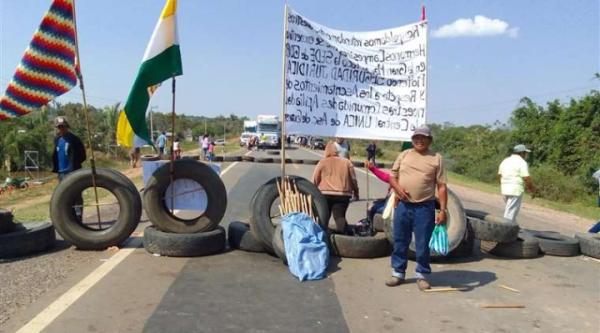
column 48, row 68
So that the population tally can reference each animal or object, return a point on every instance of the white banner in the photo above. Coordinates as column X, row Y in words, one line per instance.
column 369, row 85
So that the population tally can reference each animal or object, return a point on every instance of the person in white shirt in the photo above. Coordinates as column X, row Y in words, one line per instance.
column 342, row 147
column 514, row 176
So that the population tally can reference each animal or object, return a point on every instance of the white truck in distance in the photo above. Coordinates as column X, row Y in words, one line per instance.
column 249, row 131
column 268, row 129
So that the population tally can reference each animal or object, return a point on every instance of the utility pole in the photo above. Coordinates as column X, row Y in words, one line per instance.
column 151, row 123
column 224, row 140
column 205, row 126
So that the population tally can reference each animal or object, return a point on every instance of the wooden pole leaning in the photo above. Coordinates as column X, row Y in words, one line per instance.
column 283, row 140
column 171, row 153
column 87, row 119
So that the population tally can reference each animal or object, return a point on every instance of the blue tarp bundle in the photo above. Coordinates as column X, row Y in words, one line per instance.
column 305, row 247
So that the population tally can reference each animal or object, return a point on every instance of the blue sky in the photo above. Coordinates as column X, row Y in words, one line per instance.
column 479, row 68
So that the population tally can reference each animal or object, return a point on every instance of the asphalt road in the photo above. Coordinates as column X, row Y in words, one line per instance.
column 248, row 292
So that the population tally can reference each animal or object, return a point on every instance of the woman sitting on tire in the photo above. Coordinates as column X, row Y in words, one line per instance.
column 335, row 178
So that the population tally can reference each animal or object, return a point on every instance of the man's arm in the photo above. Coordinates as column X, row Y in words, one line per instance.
column 443, row 198
column 529, row 185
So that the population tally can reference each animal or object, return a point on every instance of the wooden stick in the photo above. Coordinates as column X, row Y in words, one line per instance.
column 503, row 306
column 311, row 207
column 509, row 288
column 435, row 290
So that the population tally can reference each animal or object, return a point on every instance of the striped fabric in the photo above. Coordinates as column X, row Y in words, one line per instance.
column 48, row 68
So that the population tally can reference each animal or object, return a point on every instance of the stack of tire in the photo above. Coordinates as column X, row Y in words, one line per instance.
column 263, row 235
column 172, row 236
column 20, row 239
column 67, row 194
column 504, row 238
column 460, row 235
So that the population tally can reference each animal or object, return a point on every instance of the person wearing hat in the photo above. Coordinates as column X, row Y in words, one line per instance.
column 69, row 151
column 67, row 157
column 415, row 176
column 514, row 176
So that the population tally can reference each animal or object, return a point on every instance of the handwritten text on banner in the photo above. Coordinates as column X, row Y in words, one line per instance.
column 355, row 84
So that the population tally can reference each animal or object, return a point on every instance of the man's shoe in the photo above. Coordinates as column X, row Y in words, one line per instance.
column 394, row 281
column 423, row 284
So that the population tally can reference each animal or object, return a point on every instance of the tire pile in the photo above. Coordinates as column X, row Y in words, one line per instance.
column 504, row 238
column 262, row 234
column 67, row 194
column 172, row 236
column 21, row 239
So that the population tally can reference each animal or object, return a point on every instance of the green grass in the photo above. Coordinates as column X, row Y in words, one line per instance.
column 41, row 211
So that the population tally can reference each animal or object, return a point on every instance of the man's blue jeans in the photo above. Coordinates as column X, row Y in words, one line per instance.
column 408, row 218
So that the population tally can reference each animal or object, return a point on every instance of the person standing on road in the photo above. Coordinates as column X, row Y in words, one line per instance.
column 513, row 173
column 336, row 179
column 342, row 146
column 371, row 152
column 68, row 155
column 176, row 149
column 69, row 151
column 161, row 142
column 204, row 142
column 415, row 176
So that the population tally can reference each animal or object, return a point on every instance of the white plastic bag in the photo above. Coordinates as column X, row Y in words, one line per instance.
column 388, row 210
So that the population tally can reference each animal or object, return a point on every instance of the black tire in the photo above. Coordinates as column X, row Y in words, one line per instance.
column 69, row 191
column 157, row 211
column 150, row 157
column 218, row 159
column 465, row 248
column 27, row 238
column 232, row 158
column 525, row 247
column 378, row 224
column 260, row 223
column 191, row 157
column 6, row 221
column 288, row 161
column 278, row 245
column 264, row 160
column 297, row 161
column 557, row 244
column 589, row 244
column 358, row 164
column 273, row 152
column 247, row 158
column 360, row 247
column 498, row 232
column 184, row 245
column 380, row 165
column 277, row 160
column 456, row 224
column 240, row 237
column 310, row 162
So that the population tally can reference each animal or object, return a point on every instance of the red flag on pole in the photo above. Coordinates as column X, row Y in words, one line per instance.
column 423, row 13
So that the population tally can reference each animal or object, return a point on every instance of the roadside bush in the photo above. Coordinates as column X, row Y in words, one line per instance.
column 553, row 185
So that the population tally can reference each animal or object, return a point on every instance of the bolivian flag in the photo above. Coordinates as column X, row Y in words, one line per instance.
column 162, row 60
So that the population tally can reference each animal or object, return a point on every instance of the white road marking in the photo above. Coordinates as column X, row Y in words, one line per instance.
column 44, row 318
column 60, row 305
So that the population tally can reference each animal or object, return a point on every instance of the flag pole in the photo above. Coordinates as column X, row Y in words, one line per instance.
column 283, row 94
column 172, row 153
column 87, row 119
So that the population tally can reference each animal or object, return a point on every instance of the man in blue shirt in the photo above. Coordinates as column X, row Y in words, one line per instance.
column 69, row 151
column 67, row 157
column 161, row 142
